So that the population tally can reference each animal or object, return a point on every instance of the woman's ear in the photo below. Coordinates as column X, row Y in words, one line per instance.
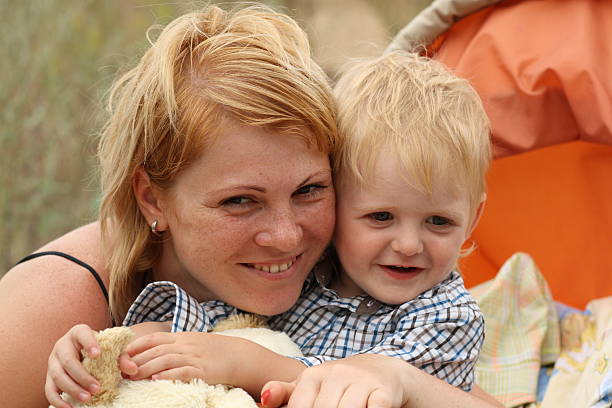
column 149, row 200
column 477, row 215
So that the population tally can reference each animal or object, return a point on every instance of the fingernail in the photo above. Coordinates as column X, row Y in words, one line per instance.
column 94, row 388
column 94, row 351
column 265, row 396
column 155, row 377
column 84, row 396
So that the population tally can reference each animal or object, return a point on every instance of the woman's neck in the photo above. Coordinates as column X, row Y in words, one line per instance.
column 169, row 268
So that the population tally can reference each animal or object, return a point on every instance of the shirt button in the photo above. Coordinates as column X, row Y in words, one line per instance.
column 368, row 306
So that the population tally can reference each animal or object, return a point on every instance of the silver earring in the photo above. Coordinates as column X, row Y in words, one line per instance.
column 154, row 229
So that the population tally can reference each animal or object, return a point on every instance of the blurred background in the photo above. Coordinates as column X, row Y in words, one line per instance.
column 58, row 58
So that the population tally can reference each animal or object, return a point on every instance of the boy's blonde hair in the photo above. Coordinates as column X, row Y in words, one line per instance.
column 249, row 65
column 414, row 106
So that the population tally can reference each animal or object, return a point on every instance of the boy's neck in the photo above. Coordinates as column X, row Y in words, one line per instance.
column 344, row 285
column 331, row 275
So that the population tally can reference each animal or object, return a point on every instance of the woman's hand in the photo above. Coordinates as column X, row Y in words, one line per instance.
column 65, row 371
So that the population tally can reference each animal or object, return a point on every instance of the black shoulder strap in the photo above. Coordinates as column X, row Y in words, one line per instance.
column 76, row 261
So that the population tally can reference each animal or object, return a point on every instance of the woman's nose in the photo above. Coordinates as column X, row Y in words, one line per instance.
column 408, row 243
column 282, row 231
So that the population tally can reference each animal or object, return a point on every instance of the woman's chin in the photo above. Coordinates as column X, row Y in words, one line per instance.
column 268, row 306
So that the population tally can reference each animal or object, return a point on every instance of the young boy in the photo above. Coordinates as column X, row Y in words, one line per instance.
column 410, row 178
column 410, row 183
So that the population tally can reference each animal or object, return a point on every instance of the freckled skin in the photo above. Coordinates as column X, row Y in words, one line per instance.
column 254, row 197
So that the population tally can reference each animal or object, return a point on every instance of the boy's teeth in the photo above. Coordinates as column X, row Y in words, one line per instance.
column 273, row 268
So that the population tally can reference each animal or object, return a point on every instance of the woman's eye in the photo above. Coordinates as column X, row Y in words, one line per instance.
column 381, row 216
column 438, row 221
column 237, row 201
column 310, row 190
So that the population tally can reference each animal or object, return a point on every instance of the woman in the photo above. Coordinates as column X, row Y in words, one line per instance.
column 215, row 175
column 214, row 165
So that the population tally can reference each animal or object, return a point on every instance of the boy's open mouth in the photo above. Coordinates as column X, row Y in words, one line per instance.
column 403, row 269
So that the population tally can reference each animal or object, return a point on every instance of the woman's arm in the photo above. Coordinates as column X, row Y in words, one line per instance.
column 40, row 300
column 371, row 380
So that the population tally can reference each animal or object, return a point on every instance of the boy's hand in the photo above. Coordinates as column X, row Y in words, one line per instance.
column 65, row 371
column 126, row 365
column 354, row 382
column 184, row 356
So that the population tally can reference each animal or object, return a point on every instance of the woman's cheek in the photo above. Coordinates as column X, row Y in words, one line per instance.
column 325, row 214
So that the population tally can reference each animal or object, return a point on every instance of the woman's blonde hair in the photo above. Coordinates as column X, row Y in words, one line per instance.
column 415, row 107
column 250, row 65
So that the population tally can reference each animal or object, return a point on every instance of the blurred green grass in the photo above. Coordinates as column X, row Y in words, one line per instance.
column 58, row 59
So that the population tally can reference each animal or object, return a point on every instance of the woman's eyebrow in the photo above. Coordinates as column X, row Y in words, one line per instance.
column 238, row 187
column 263, row 189
column 315, row 175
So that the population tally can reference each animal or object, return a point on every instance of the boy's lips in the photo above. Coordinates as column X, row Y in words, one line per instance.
column 400, row 268
column 402, row 272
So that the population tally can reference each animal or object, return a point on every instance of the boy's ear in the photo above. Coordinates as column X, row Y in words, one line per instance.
column 148, row 199
column 477, row 215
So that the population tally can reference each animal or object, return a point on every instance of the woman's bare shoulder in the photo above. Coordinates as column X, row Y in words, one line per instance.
column 83, row 243
column 59, row 284
column 40, row 300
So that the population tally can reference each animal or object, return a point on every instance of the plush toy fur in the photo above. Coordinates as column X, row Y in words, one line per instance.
column 119, row 393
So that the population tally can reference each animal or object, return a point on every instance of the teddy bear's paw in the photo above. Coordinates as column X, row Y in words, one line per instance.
column 224, row 397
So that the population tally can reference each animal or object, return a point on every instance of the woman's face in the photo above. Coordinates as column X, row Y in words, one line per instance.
column 248, row 220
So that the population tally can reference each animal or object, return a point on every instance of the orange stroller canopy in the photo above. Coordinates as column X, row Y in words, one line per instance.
column 544, row 72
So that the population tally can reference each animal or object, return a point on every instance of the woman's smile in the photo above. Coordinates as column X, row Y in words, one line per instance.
column 273, row 267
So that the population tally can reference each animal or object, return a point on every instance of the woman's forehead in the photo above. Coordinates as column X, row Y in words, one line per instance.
column 258, row 157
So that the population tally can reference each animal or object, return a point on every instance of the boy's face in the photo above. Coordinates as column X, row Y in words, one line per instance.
column 395, row 242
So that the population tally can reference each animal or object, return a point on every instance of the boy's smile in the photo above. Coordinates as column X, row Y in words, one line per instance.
column 394, row 241
column 401, row 272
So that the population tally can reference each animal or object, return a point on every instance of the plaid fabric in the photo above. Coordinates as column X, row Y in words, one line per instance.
column 522, row 331
column 165, row 301
column 441, row 331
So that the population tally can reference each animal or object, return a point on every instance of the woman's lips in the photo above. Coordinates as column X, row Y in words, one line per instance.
column 274, row 267
column 280, row 268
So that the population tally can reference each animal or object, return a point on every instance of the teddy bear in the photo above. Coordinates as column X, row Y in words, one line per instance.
column 116, row 392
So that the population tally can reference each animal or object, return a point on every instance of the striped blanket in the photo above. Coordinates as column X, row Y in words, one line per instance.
column 538, row 353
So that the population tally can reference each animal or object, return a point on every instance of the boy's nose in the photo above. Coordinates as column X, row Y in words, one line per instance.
column 281, row 231
column 407, row 244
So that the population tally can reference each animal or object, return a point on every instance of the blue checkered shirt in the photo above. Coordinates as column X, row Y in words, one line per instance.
column 164, row 301
column 441, row 331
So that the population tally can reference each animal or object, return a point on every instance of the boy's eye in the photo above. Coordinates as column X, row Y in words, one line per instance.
column 438, row 221
column 381, row 216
